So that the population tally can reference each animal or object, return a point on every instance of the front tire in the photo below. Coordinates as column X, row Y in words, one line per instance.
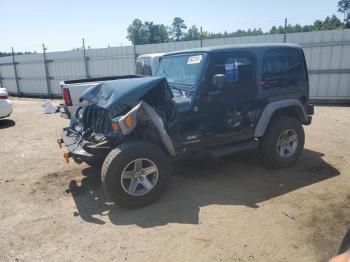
column 94, row 162
column 134, row 174
column 282, row 142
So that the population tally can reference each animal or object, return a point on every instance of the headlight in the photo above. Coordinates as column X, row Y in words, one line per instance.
column 79, row 113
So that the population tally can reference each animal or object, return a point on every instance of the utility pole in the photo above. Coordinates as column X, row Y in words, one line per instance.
column 46, row 69
column 0, row 81
column 135, row 55
column 85, row 61
column 201, row 37
column 285, row 31
column 15, row 71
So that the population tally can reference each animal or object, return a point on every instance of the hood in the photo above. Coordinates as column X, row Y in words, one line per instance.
column 117, row 94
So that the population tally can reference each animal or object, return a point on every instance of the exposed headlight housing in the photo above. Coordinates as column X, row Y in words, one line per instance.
column 79, row 114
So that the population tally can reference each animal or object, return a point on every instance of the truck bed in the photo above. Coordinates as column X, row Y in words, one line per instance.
column 72, row 90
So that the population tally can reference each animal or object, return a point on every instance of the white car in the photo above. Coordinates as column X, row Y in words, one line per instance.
column 5, row 103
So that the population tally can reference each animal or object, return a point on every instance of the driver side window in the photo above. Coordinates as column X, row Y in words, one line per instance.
column 238, row 68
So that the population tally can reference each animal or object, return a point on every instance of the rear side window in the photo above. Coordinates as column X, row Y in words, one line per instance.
column 282, row 68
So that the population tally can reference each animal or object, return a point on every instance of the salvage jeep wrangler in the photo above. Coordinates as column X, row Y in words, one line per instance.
column 203, row 102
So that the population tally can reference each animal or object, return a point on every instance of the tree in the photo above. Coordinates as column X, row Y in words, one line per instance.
column 332, row 23
column 157, row 33
column 2, row 54
column 137, row 33
column 148, row 32
column 192, row 33
column 344, row 8
column 178, row 25
column 140, row 33
column 318, row 25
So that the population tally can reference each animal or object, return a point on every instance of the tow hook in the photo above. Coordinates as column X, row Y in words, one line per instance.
column 66, row 157
column 60, row 142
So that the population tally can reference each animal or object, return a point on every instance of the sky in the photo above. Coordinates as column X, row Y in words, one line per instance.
column 61, row 24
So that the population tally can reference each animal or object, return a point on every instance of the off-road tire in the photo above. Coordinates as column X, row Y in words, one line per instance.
column 268, row 143
column 94, row 162
column 117, row 160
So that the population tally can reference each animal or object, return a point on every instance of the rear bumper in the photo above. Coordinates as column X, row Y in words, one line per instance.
column 308, row 121
column 67, row 111
column 64, row 112
column 310, row 113
column 310, row 110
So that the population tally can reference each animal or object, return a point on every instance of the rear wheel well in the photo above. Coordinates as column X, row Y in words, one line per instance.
column 291, row 111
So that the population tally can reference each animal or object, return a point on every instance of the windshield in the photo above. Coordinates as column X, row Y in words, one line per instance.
column 181, row 71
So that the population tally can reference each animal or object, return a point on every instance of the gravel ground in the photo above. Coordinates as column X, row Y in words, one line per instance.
column 230, row 209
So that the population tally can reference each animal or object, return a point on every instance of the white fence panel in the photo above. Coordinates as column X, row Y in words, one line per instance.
column 111, row 61
column 327, row 54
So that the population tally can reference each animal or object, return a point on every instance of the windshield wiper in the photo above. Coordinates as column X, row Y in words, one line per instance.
column 181, row 91
column 176, row 88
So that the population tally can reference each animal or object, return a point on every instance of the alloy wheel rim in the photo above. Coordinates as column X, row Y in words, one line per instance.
column 139, row 177
column 287, row 143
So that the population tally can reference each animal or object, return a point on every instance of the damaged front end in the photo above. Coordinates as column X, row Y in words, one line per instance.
column 117, row 111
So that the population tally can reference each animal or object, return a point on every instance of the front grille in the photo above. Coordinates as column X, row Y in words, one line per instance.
column 96, row 120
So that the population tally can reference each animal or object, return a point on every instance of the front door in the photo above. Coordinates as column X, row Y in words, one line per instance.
column 231, row 111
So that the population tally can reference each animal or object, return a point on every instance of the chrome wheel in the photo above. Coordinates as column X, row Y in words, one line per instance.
column 139, row 177
column 287, row 143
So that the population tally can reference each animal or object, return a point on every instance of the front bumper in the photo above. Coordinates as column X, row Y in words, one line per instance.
column 81, row 150
column 75, row 146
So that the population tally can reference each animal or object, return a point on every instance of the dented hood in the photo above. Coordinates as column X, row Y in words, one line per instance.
column 117, row 94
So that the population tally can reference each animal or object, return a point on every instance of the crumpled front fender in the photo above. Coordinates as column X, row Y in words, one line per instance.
column 153, row 116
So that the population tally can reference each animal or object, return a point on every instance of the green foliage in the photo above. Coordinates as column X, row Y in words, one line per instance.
column 178, row 25
column 156, row 33
column 2, row 54
column 137, row 33
column 140, row 33
column 192, row 33
column 147, row 33
column 344, row 8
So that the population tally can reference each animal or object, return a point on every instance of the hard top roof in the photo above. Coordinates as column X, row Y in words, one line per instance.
column 237, row 47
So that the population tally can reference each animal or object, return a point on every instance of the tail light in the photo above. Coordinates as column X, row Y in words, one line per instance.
column 3, row 96
column 66, row 97
column 265, row 84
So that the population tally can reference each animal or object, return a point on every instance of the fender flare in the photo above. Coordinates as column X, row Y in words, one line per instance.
column 152, row 115
column 273, row 107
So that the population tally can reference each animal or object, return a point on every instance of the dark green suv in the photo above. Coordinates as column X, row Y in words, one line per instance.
column 202, row 102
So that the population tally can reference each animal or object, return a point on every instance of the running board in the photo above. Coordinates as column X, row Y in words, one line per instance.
column 234, row 148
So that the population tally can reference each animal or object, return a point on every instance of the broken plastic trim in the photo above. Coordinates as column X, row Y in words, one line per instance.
column 154, row 117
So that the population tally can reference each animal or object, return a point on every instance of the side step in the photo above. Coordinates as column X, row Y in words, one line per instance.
column 233, row 148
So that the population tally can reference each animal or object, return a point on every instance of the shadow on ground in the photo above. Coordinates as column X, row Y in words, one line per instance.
column 6, row 123
column 236, row 180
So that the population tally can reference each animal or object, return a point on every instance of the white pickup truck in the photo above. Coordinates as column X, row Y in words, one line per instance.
column 146, row 65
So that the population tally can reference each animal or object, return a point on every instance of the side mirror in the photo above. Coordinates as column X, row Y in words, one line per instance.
column 219, row 81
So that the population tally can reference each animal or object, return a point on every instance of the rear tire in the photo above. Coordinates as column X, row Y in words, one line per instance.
column 124, row 172
column 282, row 142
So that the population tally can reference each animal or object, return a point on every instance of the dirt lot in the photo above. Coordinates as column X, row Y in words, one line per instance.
column 231, row 209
